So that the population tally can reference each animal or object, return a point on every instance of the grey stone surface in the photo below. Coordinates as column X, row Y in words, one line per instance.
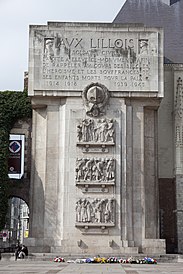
column 165, row 127
column 20, row 267
column 69, row 57
column 166, row 14
column 63, row 174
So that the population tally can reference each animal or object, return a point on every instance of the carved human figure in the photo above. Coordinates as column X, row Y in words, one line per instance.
column 101, row 130
column 88, row 210
column 106, row 216
column 96, row 132
column 91, row 130
column 103, row 205
column 78, row 211
column 79, row 133
column 83, row 211
column 84, row 130
column 94, row 173
column 110, row 209
column 143, row 46
column 88, row 170
column 87, row 130
column 110, row 169
column 109, row 135
column 97, row 171
column 49, row 52
column 98, row 211
column 104, row 169
column 80, row 163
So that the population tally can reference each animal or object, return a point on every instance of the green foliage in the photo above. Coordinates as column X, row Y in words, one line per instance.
column 13, row 106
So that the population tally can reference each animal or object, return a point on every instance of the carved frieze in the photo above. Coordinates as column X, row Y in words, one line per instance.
column 96, row 211
column 179, row 114
column 179, row 99
column 95, row 97
column 96, row 132
column 95, row 171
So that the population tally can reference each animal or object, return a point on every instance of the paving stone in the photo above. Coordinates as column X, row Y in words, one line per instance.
column 45, row 267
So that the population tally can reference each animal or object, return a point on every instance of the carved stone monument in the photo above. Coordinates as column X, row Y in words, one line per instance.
column 95, row 91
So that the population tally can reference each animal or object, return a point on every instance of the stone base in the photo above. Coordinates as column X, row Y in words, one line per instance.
column 109, row 247
column 95, row 251
column 153, row 246
column 37, row 245
column 80, row 247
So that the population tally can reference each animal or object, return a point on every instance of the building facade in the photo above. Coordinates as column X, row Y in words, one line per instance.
column 168, row 15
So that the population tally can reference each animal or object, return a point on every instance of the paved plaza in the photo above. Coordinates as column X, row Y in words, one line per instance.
column 49, row 267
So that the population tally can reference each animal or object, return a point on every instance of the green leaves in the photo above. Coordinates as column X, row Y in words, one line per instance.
column 13, row 106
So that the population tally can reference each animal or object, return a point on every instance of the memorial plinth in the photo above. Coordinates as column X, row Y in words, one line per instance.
column 95, row 91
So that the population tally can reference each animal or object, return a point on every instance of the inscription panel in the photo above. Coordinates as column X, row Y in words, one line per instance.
column 69, row 58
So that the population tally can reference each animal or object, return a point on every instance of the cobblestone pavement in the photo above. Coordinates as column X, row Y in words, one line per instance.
column 20, row 267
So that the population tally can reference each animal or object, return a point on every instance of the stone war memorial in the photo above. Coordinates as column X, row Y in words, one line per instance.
column 95, row 91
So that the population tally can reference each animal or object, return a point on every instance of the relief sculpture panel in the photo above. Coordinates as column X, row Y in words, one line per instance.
column 96, row 131
column 95, row 171
column 95, row 211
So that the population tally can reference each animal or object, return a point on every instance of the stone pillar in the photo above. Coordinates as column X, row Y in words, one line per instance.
column 38, row 169
column 44, row 175
column 129, row 174
column 124, row 188
column 151, row 182
column 142, row 188
column 51, row 186
column 138, row 175
column 67, row 151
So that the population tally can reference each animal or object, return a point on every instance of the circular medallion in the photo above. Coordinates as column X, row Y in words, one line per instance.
column 95, row 97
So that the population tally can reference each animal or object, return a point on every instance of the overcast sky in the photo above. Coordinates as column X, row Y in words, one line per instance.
column 17, row 15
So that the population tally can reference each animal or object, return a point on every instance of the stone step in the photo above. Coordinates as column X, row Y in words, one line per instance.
column 165, row 258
